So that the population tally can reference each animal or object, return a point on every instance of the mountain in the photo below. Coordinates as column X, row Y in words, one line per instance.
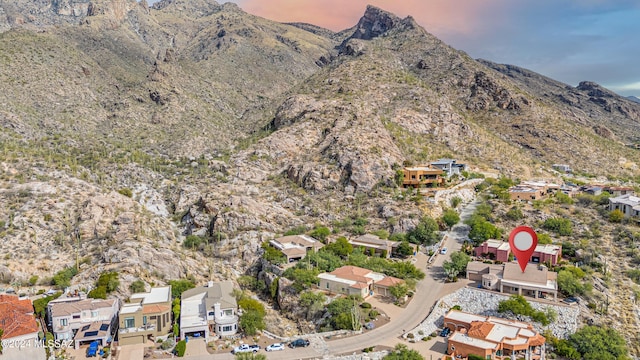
column 634, row 99
column 126, row 128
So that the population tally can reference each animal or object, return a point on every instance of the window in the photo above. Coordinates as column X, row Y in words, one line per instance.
column 227, row 312
column 64, row 322
column 144, row 320
column 76, row 316
column 129, row 323
column 94, row 313
column 227, row 328
column 327, row 285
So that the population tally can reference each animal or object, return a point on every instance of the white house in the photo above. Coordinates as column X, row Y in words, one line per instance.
column 83, row 320
column 629, row 204
column 209, row 309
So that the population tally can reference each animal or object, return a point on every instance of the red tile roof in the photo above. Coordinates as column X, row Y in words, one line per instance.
column 480, row 329
column 389, row 281
column 155, row 309
column 16, row 317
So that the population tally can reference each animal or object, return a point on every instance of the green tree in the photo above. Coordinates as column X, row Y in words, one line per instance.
column 251, row 321
column 341, row 247
column 126, row 192
column 321, row 233
column 569, row 284
column 402, row 352
column 302, row 278
column 558, row 225
column 404, row 249
column 137, row 286
column 40, row 305
column 598, row 342
column 381, row 233
column 544, row 239
column 180, row 286
column 109, row 280
column 450, row 217
column 62, row 279
column 399, row 291
column 99, row 292
column 1, row 333
column 455, row 201
column 426, row 232
column 483, row 230
column 180, row 348
column 33, row 280
column 398, row 177
column 514, row 213
column 313, row 303
column 192, row 242
column 272, row 254
column 176, row 309
column 616, row 216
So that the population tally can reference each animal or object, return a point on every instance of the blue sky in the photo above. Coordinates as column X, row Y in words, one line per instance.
column 567, row 40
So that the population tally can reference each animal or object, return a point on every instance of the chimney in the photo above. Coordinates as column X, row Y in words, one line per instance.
column 217, row 311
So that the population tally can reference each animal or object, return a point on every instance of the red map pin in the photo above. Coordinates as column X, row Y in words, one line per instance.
column 523, row 241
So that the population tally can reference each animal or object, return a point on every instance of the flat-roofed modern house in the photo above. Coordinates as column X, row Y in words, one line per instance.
column 536, row 281
column 628, row 204
column 375, row 245
column 422, row 176
column 20, row 329
column 500, row 250
column 83, row 320
column 146, row 316
column 525, row 193
column 491, row 337
column 449, row 166
column 295, row 247
column 353, row 280
column 208, row 310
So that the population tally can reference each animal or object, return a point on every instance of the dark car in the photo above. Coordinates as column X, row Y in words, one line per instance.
column 445, row 332
column 299, row 343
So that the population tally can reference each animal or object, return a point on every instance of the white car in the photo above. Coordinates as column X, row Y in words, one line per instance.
column 275, row 347
column 246, row 348
column 443, row 251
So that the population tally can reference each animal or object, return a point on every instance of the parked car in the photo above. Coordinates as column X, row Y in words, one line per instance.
column 275, row 347
column 571, row 300
column 245, row 348
column 445, row 332
column 443, row 251
column 299, row 343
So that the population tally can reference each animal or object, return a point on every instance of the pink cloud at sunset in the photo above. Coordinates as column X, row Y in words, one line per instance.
column 438, row 16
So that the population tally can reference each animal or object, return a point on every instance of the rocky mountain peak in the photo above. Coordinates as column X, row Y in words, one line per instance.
column 594, row 89
column 374, row 23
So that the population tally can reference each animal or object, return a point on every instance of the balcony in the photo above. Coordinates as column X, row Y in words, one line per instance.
column 148, row 327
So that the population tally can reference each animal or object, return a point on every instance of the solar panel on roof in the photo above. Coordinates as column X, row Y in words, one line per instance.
column 104, row 327
column 86, row 327
column 90, row 333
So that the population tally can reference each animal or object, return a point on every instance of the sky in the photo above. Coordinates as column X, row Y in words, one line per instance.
column 567, row 40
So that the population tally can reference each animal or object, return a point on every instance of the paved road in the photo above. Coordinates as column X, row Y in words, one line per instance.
column 428, row 291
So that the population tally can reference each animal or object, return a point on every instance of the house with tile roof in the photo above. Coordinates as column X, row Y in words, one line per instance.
column 83, row 320
column 424, row 175
column 374, row 245
column 146, row 316
column 20, row 329
column 491, row 337
column 295, row 247
column 353, row 280
column 207, row 310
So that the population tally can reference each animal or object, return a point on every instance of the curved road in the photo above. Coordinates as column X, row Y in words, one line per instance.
column 428, row 291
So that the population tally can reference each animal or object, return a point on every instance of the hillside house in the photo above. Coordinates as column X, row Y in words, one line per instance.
column 536, row 281
column 207, row 310
column 83, row 320
column 146, row 316
column 295, row 247
column 422, row 176
column 374, row 245
column 628, row 204
column 353, row 280
column 562, row 168
column 500, row 250
column 491, row 337
column 449, row 166
column 20, row 328
column 617, row 191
